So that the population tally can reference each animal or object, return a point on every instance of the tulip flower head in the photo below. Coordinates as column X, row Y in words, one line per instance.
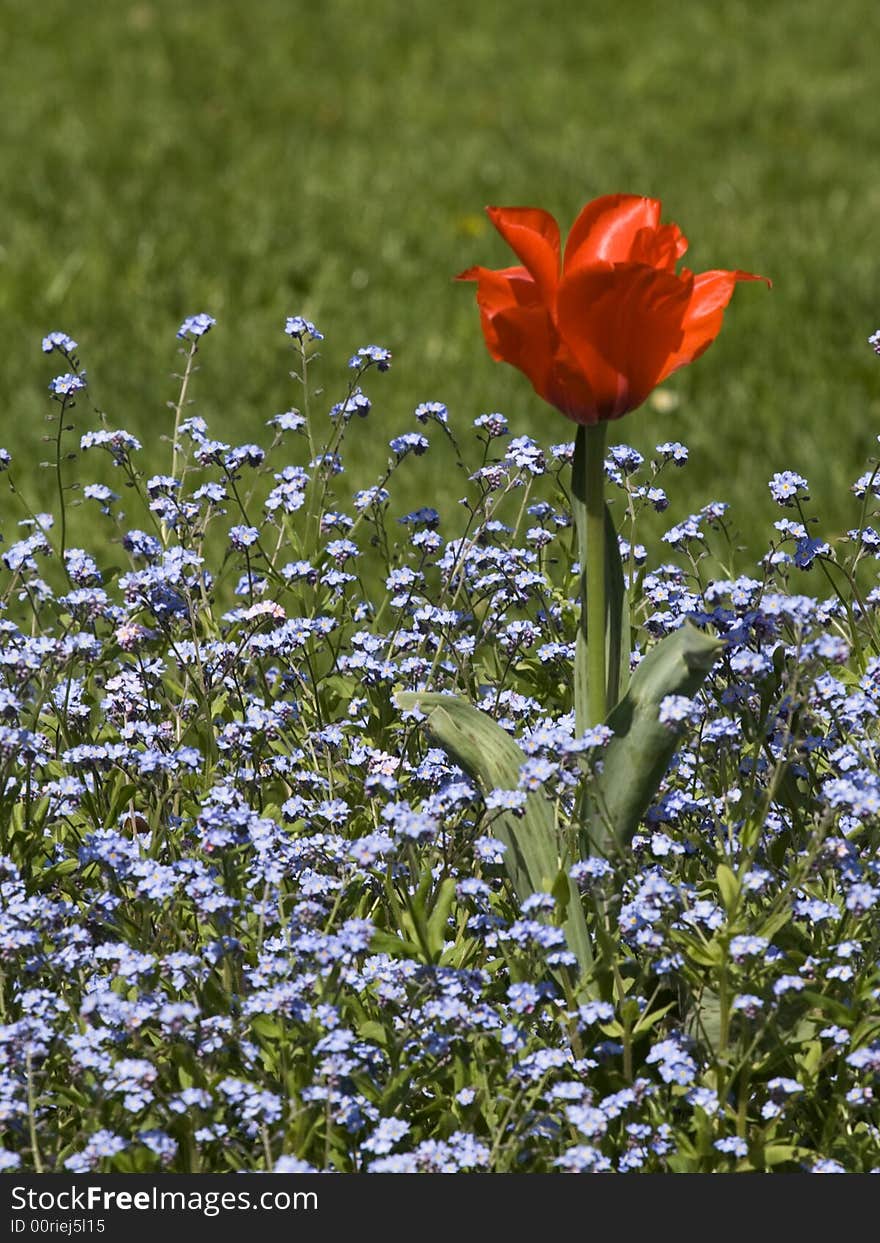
column 598, row 326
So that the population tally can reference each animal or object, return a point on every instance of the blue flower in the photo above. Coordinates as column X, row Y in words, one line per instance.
column 432, row 410
column 583, row 1159
column 356, row 403
column 807, row 550
column 678, row 709
column 292, row 1165
column 673, row 1062
column 506, row 800
column 733, row 1145
column 242, row 537
column 289, row 421
column 595, row 1012
column 59, row 341
column 494, row 424
column 195, row 326
column 626, row 458
column 102, row 1144
column 866, row 1058
column 302, row 329
column 787, row 486
column 369, row 356
column 119, row 443
column 67, row 385
column 526, row 454
column 672, row 451
column 827, row 1165
column 388, row 1133
column 409, row 442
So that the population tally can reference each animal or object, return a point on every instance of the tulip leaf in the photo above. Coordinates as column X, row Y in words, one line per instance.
column 637, row 757
column 617, row 622
column 704, row 1019
column 484, row 750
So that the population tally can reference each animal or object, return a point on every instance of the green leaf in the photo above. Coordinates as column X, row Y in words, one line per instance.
column 647, row 1021
column 121, row 795
column 265, row 1026
column 383, row 942
column 373, row 1031
column 775, row 923
column 218, row 705
column 59, row 870
column 704, row 1019
column 776, row 1154
column 810, row 1057
column 708, row 956
column 728, row 887
column 415, row 919
column 435, row 932
column 637, row 757
column 562, row 890
column 617, row 621
column 836, row 1010
column 482, row 748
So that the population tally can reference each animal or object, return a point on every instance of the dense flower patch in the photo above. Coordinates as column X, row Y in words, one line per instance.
column 252, row 920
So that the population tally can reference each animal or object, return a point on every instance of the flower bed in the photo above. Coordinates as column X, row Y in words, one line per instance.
column 253, row 918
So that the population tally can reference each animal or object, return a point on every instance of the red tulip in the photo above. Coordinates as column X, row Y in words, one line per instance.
column 596, row 329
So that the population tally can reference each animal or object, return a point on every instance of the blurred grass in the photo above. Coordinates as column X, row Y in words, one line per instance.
column 333, row 160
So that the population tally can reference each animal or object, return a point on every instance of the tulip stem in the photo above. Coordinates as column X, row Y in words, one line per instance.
column 589, row 484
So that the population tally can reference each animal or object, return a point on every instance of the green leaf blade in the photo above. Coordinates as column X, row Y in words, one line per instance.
column 637, row 757
column 488, row 754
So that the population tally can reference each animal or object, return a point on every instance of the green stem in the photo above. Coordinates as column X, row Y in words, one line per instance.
column 60, row 481
column 724, row 1014
column 589, row 462
column 181, row 401
column 307, row 412
column 32, row 1116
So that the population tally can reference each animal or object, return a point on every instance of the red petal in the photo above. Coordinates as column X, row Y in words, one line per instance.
column 503, row 286
column 519, row 329
column 607, row 228
column 523, row 337
column 533, row 235
column 622, row 324
column 569, row 390
column 516, row 325
column 659, row 248
column 702, row 322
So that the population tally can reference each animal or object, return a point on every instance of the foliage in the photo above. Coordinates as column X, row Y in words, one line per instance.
column 251, row 919
column 335, row 159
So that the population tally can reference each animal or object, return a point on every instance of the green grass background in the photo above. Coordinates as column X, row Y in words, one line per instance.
column 333, row 159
